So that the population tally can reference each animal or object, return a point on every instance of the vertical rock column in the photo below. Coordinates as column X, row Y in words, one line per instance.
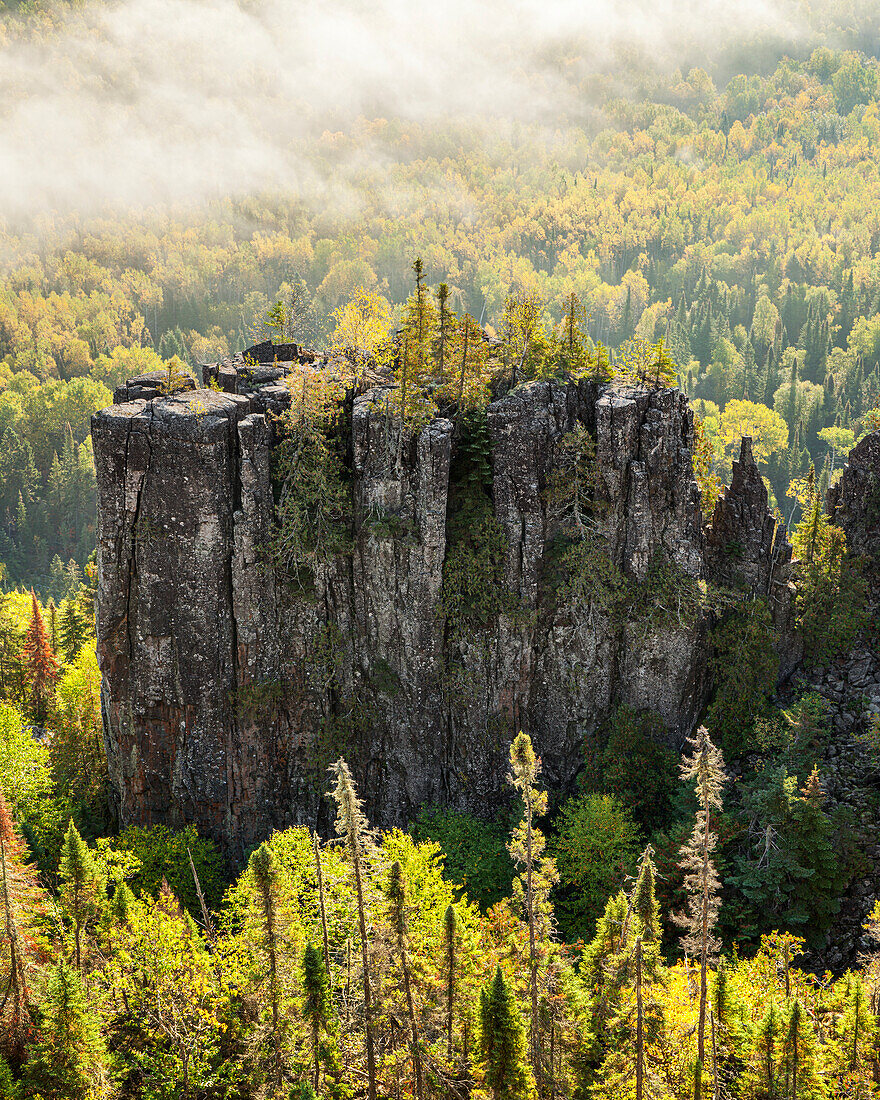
column 167, row 473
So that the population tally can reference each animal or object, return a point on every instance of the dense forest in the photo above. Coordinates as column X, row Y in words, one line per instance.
column 663, row 931
column 737, row 222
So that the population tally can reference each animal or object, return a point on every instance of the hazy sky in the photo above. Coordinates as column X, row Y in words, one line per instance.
column 155, row 101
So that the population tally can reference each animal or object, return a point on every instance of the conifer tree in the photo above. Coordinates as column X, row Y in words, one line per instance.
column 632, row 1015
column 317, row 1010
column 322, row 903
column 81, row 885
column 399, row 923
column 70, row 1061
column 504, row 1064
column 763, row 1075
column 352, row 826
column 856, row 1038
column 450, row 932
column 40, row 662
column 526, row 847
column 728, row 1038
column 467, row 367
column 800, row 1069
column 445, row 328
column 20, row 910
column 122, row 903
column 264, row 869
column 705, row 766
column 72, row 630
column 9, row 1087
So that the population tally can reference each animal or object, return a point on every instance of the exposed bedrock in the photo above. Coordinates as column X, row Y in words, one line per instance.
column 228, row 687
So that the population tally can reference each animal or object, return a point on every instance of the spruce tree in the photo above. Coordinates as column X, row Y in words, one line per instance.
column 450, row 932
column 763, row 1074
column 9, row 1087
column 445, row 328
column 317, row 1011
column 263, row 867
column 41, row 664
column 855, row 1041
column 322, row 902
column 352, row 826
column 70, row 1061
column 705, row 766
column 800, row 1070
column 504, row 1063
column 81, row 885
column 397, row 911
column 72, row 630
column 21, row 909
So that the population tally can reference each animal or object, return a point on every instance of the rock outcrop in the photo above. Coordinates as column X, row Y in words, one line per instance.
column 229, row 687
column 854, row 502
column 747, row 549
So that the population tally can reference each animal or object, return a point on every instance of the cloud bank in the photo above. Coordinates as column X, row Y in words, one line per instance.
column 156, row 102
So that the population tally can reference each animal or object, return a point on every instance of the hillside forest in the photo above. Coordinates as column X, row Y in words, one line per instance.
column 670, row 929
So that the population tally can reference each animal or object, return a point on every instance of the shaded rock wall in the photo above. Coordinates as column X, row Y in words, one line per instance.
column 228, row 689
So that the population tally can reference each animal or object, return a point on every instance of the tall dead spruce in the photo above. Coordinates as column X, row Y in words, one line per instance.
column 705, row 767
column 353, row 827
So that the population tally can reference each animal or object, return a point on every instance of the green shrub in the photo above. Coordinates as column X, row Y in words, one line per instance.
column 745, row 667
column 628, row 758
column 161, row 853
column 596, row 845
column 475, row 851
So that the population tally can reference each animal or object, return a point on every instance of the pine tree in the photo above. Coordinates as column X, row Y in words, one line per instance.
column 70, row 1061
column 81, row 885
column 352, row 826
column 504, row 1065
column 526, row 847
column 399, row 922
column 705, row 766
column 41, row 664
column 263, row 867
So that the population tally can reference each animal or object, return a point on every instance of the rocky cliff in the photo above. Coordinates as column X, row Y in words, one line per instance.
column 229, row 687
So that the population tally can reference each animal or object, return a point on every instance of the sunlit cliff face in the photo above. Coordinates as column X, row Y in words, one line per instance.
column 153, row 102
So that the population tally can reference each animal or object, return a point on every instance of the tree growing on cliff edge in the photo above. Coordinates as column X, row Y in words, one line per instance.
column 705, row 766
column 353, row 827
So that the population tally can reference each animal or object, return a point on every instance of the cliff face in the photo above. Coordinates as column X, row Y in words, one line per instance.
column 228, row 688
